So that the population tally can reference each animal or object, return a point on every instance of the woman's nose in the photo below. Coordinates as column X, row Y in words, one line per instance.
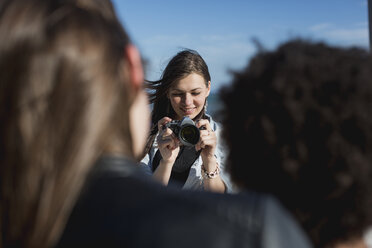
column 188, row 99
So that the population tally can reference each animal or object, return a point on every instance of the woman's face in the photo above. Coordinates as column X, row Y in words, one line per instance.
column 188, row 95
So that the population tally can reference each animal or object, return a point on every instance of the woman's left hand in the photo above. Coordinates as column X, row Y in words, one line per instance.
column 207, row 142
column 208, row 145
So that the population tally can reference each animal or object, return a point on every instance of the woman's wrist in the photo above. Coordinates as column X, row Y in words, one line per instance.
column 207, row 174
column 163, row 172
column 209, row 163
column 166, row 163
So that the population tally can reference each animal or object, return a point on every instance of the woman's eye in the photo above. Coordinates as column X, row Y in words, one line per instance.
column 195, row 93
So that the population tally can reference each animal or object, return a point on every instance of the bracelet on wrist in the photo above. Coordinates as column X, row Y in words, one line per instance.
column 210, row 175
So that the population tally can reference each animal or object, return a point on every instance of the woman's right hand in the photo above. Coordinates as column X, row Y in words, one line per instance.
column 168, row 143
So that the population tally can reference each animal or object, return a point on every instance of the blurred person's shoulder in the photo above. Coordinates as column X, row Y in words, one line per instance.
column 120, row 207
column 262, row 219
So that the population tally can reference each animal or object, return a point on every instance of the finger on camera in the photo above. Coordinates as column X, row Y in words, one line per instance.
column 207, row 138
column 163, row 143
column 204, row 133
column 167, row 139
column 163, row 136
column 161, row 133
column 207, row 141
column 163, row 121
column 168, row 132
column 197, row 147
column 203, row 123
column 174, row 145
column 202, row 145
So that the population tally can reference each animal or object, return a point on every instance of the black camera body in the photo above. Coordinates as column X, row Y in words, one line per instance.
column 185, row 130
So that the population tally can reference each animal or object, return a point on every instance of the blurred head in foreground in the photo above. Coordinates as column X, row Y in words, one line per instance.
column 70, row 92
column 298, row 121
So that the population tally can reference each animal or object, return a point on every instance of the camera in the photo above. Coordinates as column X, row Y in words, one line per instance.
column 185, row 130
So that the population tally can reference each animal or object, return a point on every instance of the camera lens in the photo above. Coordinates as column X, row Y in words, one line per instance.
column 190, row 134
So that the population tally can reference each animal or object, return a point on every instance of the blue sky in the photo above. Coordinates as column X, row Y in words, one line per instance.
column 222, row 31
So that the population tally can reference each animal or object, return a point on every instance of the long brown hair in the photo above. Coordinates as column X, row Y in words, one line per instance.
column 63, row 103
column 181, row 65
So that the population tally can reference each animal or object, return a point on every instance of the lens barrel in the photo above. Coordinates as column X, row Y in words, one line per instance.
column 189, row 135
column 185, row 130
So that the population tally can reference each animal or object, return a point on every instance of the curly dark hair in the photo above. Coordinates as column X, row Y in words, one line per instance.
column 298, row 122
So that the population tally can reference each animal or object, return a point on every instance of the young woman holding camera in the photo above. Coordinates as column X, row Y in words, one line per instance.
column 182, row 91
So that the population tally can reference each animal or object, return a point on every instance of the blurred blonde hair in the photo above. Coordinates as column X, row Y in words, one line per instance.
column 63, row 103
